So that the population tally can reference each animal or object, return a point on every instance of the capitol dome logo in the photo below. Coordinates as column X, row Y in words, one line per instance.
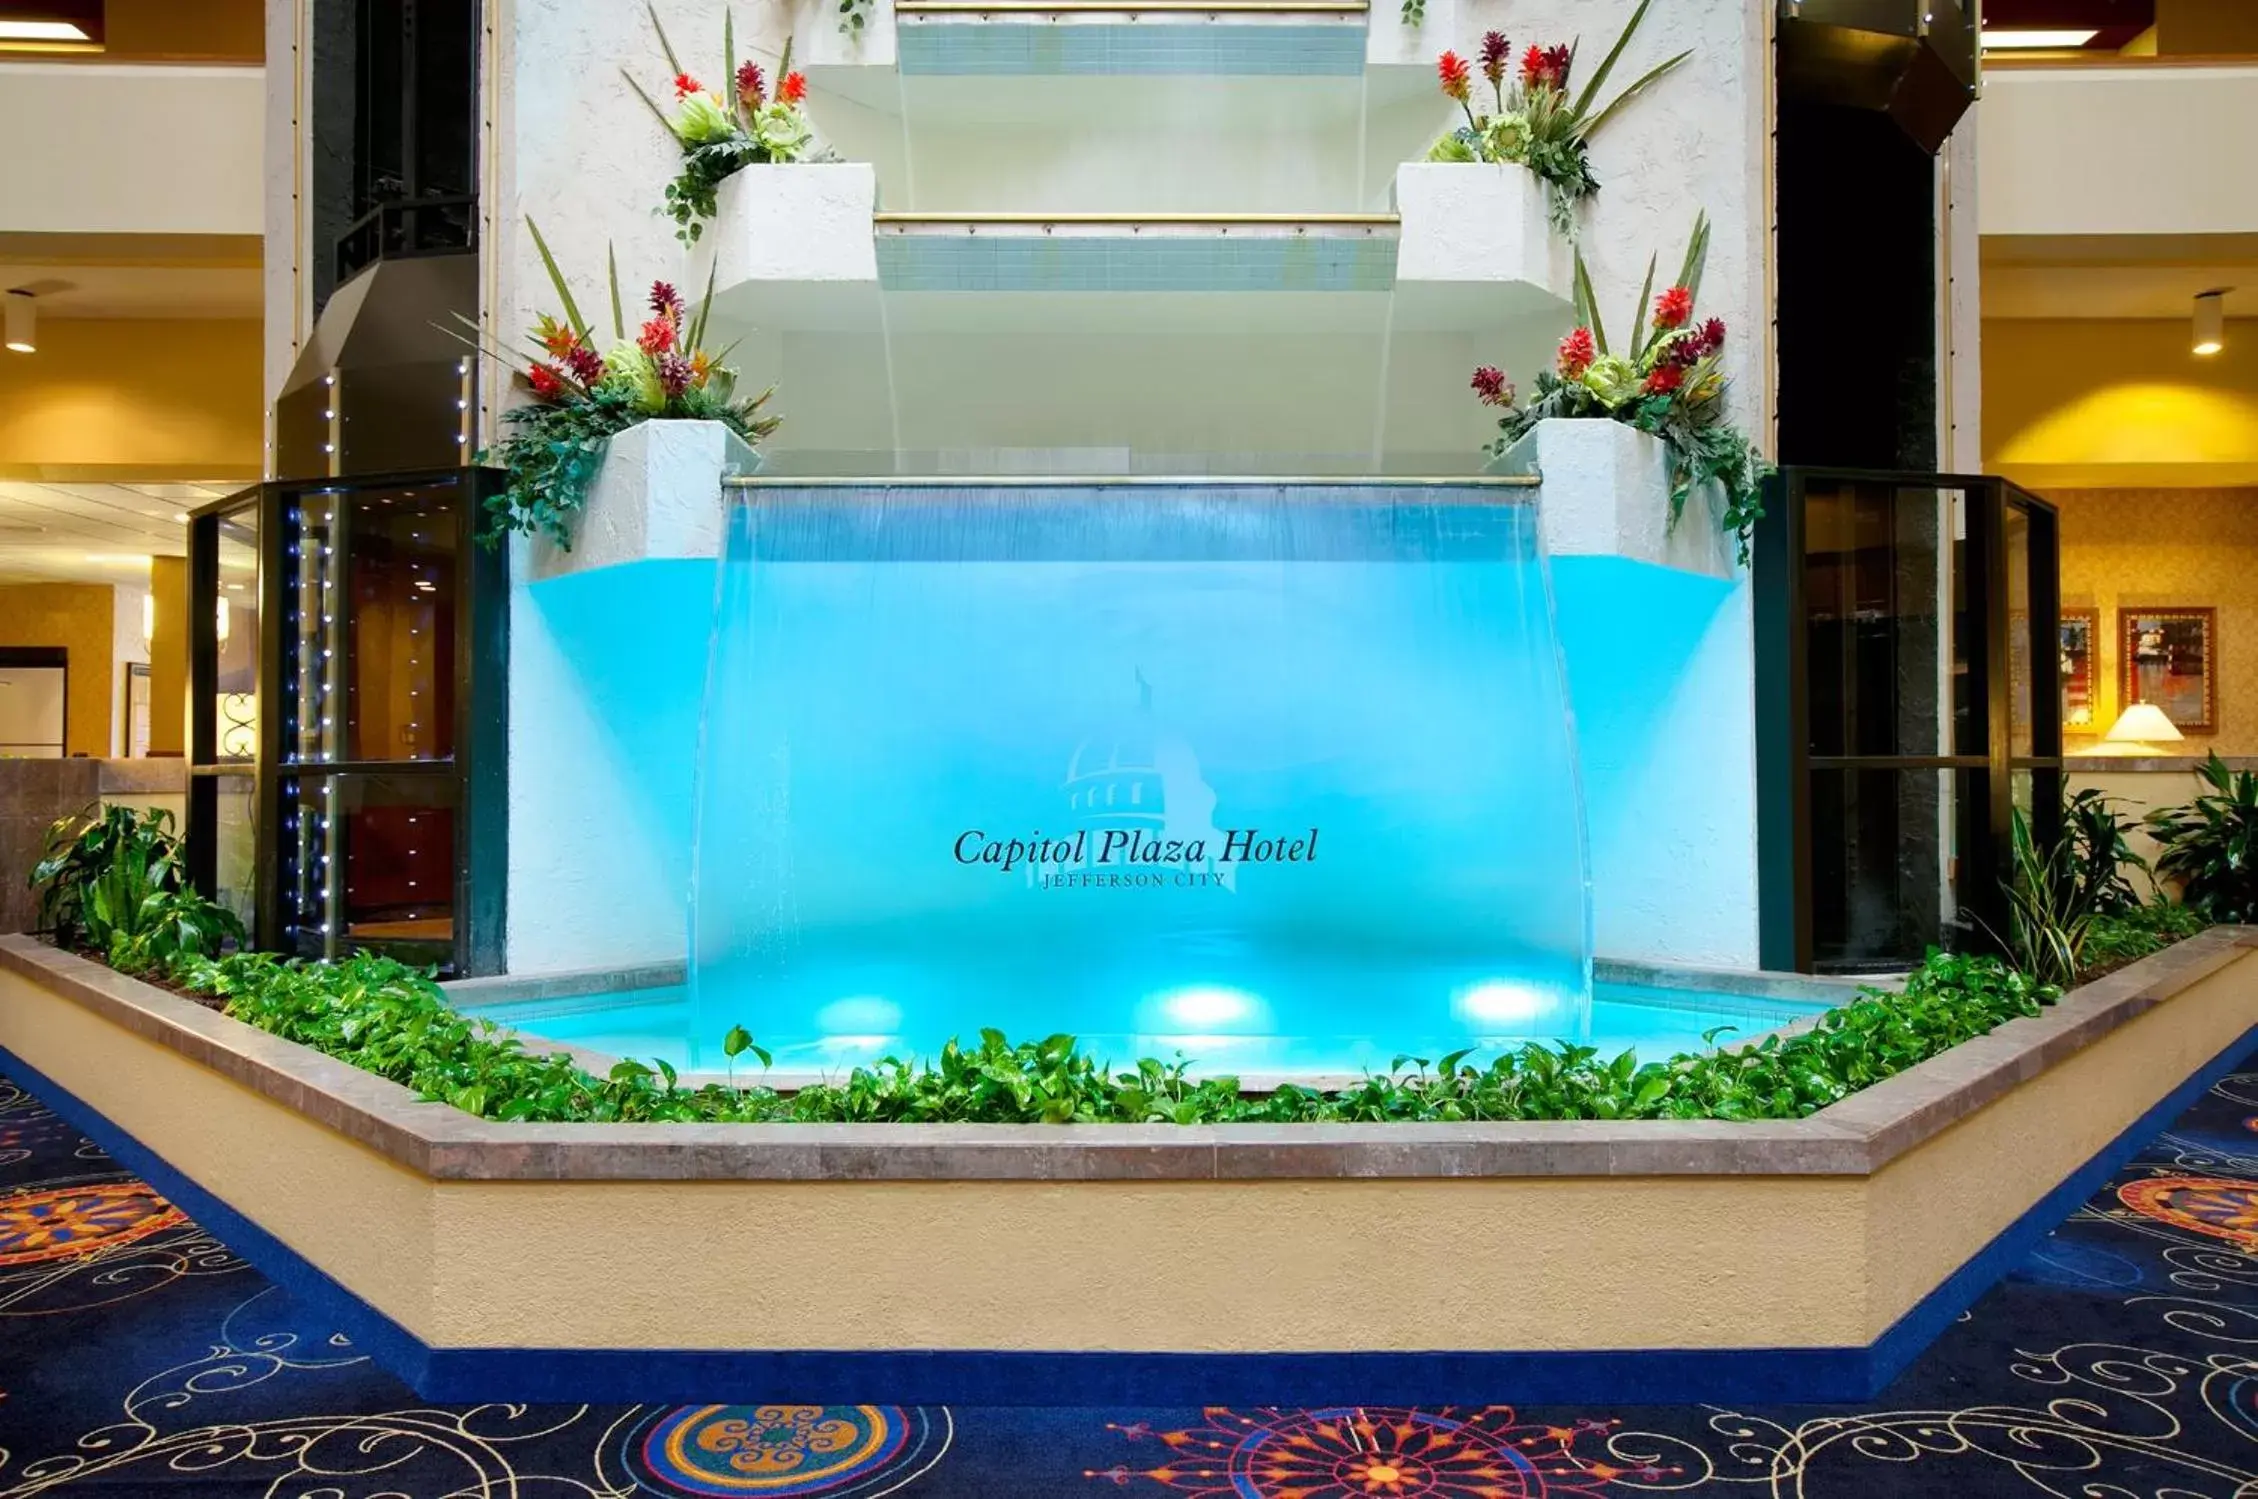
column 1139, row 781
column 1141, row 817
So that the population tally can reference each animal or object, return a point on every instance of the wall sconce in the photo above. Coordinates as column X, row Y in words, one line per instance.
column 22, row 321
column 148, row 621
column 2211, row 322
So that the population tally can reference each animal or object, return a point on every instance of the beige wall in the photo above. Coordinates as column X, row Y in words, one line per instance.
column 81, row 618
column 2143, row 548
column 2103, row 404
column 129, row 399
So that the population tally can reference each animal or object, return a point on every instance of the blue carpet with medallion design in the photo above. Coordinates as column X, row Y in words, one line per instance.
column 138, row 1356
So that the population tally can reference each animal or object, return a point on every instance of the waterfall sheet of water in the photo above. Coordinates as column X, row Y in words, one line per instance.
column 1278, row 775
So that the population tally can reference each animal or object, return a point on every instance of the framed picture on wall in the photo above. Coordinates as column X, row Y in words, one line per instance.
column 2080, row 627
column 2169, row 657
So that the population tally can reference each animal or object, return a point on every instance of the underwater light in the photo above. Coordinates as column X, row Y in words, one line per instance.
column 1502, row 1002
column 1205, row 1005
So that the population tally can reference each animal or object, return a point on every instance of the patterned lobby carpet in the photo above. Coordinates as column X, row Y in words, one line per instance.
column 139, row 1357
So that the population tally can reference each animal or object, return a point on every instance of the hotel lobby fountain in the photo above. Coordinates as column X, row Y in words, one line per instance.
column 1281, row 776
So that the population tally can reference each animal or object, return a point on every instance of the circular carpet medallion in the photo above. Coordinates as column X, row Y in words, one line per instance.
column 2217, row 1207
column 1351, row 1452
column 775, row 1451
column 36, row 1227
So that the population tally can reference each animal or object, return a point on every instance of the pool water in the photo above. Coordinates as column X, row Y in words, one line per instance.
column 658, row 1023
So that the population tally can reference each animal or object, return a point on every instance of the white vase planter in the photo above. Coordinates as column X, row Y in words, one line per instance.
column 1470, row 222
column 658, row 495
column 1606, row 493
column 809, row 222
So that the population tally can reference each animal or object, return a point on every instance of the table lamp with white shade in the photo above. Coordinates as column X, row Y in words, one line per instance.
column 2141, row 730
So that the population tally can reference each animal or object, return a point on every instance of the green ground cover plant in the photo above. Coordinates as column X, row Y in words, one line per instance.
column 395, row 1021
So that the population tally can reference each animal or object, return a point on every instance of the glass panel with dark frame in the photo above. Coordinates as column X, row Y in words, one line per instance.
column 377, row 788
column 1897, row 714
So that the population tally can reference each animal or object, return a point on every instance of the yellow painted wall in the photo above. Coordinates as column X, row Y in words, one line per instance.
column 81, row 618
column 2110, row 404
column 196, row 31
column 2206, row 27
column 168, row 657
column 2144, row 548
column 127, row 399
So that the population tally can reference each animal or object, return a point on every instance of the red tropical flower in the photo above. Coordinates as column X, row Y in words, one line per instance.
column 1494, row 52
column 1673, row 307
column 657, row 337
column 675, row 374
column 665, row 300
column 1665, row 379
column 752, row 89
column 1492, row 386
column 685, row 85
column 1533, row 65
column 548, row 382
column 1557, row 61
column 1577, row 351
column 1451, row 68
column 793, row 89
column 586, row 364
column 1712, row 335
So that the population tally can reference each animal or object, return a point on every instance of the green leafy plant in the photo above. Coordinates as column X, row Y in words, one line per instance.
column 2096, row 828
column 1413, row 12
column 722, row 132
column 1539, row 124
column 380, row 1015
column 555, row 445
column 2118, row 938
column 2053, row 901
column 2209, row 847
column 1668, row 382
column 110, row 879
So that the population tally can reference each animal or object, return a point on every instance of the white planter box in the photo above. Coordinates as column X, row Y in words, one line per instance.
column 1469, row 222
column 658, row 495
column 797, row 223
column 1606, row 493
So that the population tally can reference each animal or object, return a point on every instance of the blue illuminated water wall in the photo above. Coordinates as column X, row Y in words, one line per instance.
column 1274, row 773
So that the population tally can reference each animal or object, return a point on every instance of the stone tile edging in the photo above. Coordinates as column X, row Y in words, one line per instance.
column 1855, row 1137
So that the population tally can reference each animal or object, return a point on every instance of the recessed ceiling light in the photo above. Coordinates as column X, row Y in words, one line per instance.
column 2004, row 41
column 42, row 31
column 134, row 559
column 2211, row 321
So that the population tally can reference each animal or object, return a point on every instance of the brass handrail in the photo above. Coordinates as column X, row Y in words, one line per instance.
column 1090, row 481
column 1369, row 220
column 1074, row 7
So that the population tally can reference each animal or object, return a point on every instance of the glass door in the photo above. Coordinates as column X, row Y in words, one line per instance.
column 1903, row 710
column 352, row 742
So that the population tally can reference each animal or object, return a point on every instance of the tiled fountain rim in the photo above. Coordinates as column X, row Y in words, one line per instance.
column 1855, row 1137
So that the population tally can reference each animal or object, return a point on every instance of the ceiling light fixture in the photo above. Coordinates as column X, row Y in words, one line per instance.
column 2211, row 321
column 42, row 31
column 2036, row 40
column 22, row 321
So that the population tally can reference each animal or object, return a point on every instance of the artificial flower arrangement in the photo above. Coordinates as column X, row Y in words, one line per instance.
column 1538, row 124
column 722, row 134
column 1666, row 383
column 582, row 399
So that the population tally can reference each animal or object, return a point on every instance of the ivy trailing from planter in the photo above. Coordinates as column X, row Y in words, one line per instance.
column 724, row 131
column 1668, row 382
column 554, row 446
